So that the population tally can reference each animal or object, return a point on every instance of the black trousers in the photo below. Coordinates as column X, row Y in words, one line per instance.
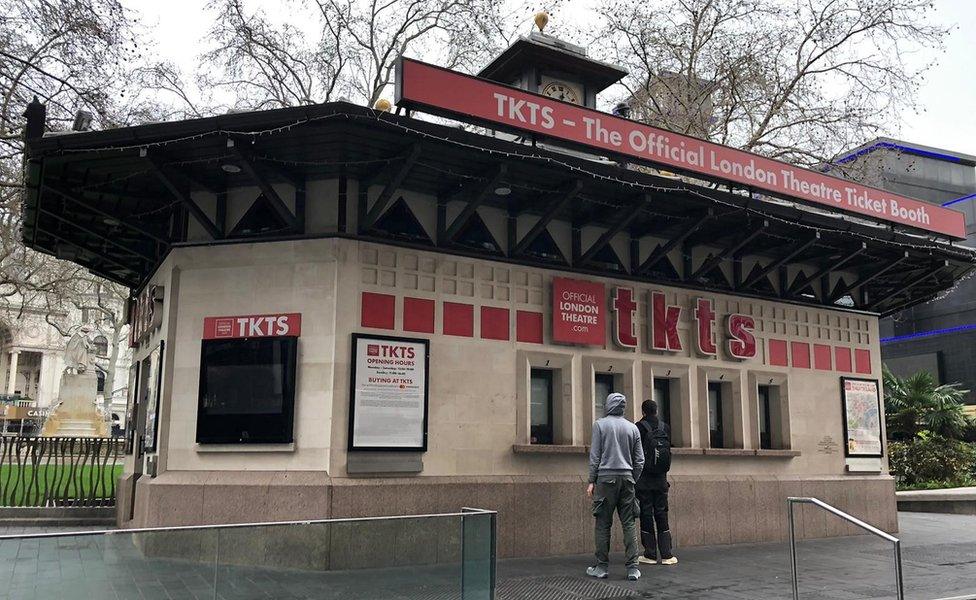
column 654, row 515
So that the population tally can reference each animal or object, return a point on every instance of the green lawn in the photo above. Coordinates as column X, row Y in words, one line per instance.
column 21, row 486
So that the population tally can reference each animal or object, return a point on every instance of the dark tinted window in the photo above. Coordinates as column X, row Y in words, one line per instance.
column 541, row 406
column 247, row 391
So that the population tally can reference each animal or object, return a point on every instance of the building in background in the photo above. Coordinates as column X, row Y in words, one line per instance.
column 940, row 335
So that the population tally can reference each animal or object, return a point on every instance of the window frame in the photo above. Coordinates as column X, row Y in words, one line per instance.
column 550, row 416
column 287, row 427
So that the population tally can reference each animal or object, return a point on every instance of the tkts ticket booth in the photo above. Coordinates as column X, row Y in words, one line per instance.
column 345, row 311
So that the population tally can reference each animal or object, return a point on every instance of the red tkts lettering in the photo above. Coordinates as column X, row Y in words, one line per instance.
column 624, row 308
column 394, row 351
column 705, row 317
column 664, row 324
column 253, row 326
column 742, row 343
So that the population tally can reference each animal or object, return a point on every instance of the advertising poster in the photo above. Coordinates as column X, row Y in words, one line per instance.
column 862, row 417
column 579, row 312
column 151, row 396
column 131, row 408
column 388, row 399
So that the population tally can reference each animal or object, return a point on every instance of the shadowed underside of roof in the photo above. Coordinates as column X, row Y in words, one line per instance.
column 116, row 201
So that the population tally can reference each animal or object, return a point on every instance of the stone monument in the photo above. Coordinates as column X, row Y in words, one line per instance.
column 75, row 414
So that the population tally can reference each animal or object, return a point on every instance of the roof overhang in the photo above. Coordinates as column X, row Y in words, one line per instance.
column 111, row 200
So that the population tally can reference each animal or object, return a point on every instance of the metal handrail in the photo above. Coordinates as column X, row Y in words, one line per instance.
column 896, row 543
column 465, row 512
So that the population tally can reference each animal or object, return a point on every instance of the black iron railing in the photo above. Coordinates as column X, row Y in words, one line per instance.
column 59, row 471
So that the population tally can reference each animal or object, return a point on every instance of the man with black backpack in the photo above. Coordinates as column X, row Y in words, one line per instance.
column 652, row 487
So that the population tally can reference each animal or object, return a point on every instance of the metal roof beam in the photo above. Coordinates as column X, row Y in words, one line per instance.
column 864, row 280
column 567, row 192
column 477, row 192
column 277, row 204
column 629, row 214
column 875, row 303
column 712, row 263
column 97, row 253
column 54, row 189
column 797, row 249
column 396, row 176
column 184, row 197
column 93, row 233
column 801, row 282
column 661, row 252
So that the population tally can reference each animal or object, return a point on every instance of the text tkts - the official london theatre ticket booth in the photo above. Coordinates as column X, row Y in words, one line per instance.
column 340, row 311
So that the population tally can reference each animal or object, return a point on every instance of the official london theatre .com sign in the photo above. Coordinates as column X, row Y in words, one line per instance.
column 448, row 92
column 578, row 312
column 388, row 399
column 862, row 417
column 252, row 326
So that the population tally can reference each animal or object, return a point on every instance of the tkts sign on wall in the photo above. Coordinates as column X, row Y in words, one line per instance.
column 450, row 93
column 579, row 316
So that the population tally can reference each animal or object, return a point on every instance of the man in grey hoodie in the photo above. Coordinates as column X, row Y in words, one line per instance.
column 616, row 462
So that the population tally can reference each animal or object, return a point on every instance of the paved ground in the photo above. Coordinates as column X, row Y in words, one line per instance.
column 939, row 560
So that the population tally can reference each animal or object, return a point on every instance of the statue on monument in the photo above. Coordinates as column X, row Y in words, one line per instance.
column 77, row 353
column 75, row 414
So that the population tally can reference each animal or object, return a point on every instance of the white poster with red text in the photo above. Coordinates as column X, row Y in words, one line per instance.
column 389, row 394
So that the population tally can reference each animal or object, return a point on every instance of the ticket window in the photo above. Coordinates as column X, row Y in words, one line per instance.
column 541, row 407
column 716, row 424
column 662, row 396
column 772, row 416
column 765, row 394
column 247, row 391
column 603, row 386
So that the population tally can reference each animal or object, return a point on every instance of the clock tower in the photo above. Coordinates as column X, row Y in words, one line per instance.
column 552, row 67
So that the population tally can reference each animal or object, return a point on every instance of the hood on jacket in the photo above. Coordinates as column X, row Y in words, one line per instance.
column 616, row 403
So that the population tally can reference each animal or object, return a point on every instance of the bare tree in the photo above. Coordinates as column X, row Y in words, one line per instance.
column 797, row 80
column 355, row 46
column 71, row 55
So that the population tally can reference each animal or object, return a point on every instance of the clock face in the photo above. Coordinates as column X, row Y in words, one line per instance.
column 561, row 91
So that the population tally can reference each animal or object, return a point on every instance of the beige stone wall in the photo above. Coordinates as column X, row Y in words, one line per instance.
column 479, row 401
column 478, row 387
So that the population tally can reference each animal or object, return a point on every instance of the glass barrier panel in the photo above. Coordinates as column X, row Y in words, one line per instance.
column 478, row 556
column 449, row 557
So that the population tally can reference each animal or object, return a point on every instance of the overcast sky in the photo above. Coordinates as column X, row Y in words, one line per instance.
column 947, row 98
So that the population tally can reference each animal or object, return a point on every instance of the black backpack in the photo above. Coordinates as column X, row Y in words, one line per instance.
column 657, row 448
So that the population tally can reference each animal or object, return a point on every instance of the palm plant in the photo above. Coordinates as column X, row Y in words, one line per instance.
column 916, row 404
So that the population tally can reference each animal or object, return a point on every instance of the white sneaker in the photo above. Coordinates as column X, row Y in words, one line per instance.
column 669, row 561
column 647, row 561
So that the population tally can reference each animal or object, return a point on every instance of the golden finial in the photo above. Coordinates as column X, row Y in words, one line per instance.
column 383, row 105
column 541, row 19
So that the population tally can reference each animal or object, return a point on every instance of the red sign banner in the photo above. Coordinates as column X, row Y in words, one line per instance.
column 578, row 312
column 445, row 91
column 252, row 326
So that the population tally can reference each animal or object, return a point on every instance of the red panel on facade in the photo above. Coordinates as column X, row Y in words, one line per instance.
column 528, row 326
column 418, row 315
column 800, row 353
column 842, row 359
column 579, row 312
column 777, row 353
column 494, row 323
column 862, row 361
column 458, row 319
column 821, row 357
column 379, row 310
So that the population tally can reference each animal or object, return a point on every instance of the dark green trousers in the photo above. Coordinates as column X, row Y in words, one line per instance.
column 615, row 494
